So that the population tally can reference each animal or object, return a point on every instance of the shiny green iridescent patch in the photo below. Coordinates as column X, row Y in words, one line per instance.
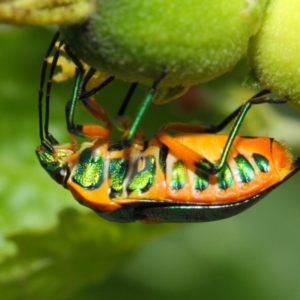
column 225, row 178
column 245, row 169
column 47, row 160
column 117, row 171
column 200, row 180
column 262, row 162
column 141, row 181
column 89, row 171
column 178, row 177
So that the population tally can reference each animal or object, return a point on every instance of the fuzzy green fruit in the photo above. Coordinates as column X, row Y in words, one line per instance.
column 136, row 39
column 274, row 53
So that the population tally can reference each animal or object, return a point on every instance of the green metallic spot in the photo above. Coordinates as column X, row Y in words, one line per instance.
column 261, row 162
column 163, row 153
column 200, row 180
column 178, row 177
column 245, row 169
column 117, row 171
column 203, row 164
column 89, row 171
column 54, row 165
column 48, row 162
column 225, row 178
column 141, row 181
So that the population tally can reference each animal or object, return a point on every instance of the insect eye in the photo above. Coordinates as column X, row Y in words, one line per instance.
column 61, row 175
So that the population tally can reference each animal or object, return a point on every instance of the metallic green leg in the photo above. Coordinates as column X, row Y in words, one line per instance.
column 134, row 127
column 241, row 112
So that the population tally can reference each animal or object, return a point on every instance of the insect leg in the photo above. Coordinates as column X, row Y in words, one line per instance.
column 207, row 128
column 212, row 168
column 127, row 99
column 192, row 157
column 92, row 131
column 47, row 140
column 151, row 92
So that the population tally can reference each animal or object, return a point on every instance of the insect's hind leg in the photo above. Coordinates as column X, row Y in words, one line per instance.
column 190, row 156
column 260, row 98
column 208, row 128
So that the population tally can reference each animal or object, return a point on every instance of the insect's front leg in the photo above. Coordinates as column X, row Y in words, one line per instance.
column 91, row 131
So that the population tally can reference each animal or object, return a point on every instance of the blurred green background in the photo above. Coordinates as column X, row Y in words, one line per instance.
column 50, row 246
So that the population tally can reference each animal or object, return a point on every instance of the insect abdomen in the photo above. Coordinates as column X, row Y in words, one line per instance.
column 253, row 165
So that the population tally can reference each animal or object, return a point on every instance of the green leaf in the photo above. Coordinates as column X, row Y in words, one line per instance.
column 79, row 250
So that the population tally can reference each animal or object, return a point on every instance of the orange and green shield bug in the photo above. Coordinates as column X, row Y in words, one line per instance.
column 195, row 175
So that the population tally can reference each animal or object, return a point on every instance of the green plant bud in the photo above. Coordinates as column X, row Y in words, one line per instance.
column 274, row 52
column 136, row 39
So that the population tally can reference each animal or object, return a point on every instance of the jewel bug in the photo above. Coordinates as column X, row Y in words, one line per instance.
column 195, row 175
